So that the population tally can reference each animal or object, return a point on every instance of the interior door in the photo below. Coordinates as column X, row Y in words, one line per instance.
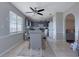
column 70, row 28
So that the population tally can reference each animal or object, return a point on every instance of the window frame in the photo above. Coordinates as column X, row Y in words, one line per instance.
column 15, row 30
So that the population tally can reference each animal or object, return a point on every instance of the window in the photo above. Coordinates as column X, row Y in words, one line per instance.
column 16, row 22
column 19, row 23
column 12, row 22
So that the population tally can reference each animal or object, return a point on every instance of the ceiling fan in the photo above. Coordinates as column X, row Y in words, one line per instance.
column 36, row 11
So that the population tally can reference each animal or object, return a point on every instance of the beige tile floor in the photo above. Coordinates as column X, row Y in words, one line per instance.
column 62, row 49
column 56, row 49
column 15, row 51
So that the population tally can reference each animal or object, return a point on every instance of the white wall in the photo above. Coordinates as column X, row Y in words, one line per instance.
column 75, row 11
column 56, row 27
column 59, row 25
column 7, row 39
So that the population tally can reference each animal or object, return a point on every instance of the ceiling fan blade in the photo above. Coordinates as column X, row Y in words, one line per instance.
column 32, row 9
column 40, row 10
column 29, row 12
column 39, row 13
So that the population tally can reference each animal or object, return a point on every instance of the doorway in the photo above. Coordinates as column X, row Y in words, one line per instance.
column 70, row 28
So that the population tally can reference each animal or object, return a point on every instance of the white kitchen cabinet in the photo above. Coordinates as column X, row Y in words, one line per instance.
column 35, row 39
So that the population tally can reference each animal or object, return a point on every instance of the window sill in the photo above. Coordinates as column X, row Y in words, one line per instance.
column 11, row 34
column 14, row 33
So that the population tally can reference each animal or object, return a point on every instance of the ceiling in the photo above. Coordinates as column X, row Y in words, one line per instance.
column 50, row 8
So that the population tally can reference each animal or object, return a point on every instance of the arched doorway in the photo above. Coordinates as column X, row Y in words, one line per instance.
column 70, row 28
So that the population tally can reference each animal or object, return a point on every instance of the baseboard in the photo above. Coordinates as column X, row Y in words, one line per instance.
column 11, row 48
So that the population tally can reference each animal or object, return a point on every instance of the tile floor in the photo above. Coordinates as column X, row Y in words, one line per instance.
column 55, row 49
column 62, row 49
